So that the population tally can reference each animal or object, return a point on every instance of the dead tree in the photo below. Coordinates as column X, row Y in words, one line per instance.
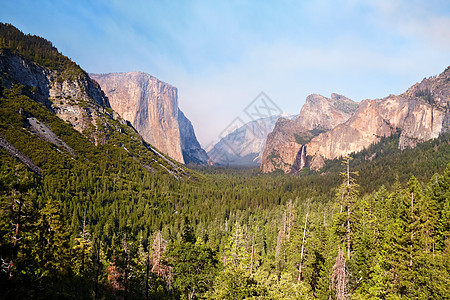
column 339, row 278
column 300, row 268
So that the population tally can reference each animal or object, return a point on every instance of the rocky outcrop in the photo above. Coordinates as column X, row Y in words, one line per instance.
column 319, row 114
column 300, row 160
column 245, row 145
column 149, row 104
column 419, row 114
column 70, row 94
column 190, row 147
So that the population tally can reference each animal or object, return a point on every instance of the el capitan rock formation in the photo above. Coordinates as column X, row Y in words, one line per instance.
column 149, row 104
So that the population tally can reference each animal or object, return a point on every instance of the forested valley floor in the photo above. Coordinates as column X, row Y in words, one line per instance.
column 107, row 229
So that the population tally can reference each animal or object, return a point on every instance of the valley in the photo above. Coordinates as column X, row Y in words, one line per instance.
column 106, row 193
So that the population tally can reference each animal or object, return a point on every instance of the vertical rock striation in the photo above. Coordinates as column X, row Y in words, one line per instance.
column 149, row 104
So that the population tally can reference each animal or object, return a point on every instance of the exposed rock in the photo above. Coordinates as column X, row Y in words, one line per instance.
column 190, row 147
column 149, row 104
column 300, row 160
column 420, row 114
column 50, row 78
column 41, row 130
column 73, row 98
column 319, row 114
column 14, row 152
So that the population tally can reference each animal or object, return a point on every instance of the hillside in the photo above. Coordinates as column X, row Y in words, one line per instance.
column 64, row 93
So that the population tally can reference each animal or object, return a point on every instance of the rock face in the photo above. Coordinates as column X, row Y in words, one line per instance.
column 419, row 114
column 285, row 143
column 245, row 145
column 149, row 104
column 73, row 97
column 190, row 147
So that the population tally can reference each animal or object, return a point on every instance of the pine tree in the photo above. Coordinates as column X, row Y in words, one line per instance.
column 52, row 251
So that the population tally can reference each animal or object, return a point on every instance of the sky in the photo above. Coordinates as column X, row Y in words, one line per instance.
column 222, row 54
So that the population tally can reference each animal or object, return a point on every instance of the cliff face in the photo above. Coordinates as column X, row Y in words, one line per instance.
column 332, row 128
column 419, row 114
column 190, row 147
column 71, row 95
column 149, row 104
column 319, row 114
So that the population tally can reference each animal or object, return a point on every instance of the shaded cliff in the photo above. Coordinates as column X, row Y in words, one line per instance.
column 190, row 147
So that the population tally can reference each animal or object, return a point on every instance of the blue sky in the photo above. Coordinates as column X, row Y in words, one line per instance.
column 222, row 54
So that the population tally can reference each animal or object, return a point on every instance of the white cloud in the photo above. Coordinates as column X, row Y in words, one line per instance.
column 422, row 20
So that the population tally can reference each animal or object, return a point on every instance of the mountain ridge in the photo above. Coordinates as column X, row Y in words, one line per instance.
column 419, row 114
column 244, row 146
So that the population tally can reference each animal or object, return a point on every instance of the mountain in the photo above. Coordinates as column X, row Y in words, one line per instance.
column 56, row 103
column 418, row 115
column 190, row 147
column 285, row 142
column 245, row 145
column 151, row 106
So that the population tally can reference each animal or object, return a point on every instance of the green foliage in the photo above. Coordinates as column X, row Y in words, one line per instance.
column 193, row 268
column 38, row 50
column 304, row 138
column 425, row 95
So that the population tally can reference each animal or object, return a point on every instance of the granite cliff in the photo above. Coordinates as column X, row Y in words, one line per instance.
column 70, row 94
column 418, row 115
column 151, row 106
column 286, row 141
column 190, row 147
